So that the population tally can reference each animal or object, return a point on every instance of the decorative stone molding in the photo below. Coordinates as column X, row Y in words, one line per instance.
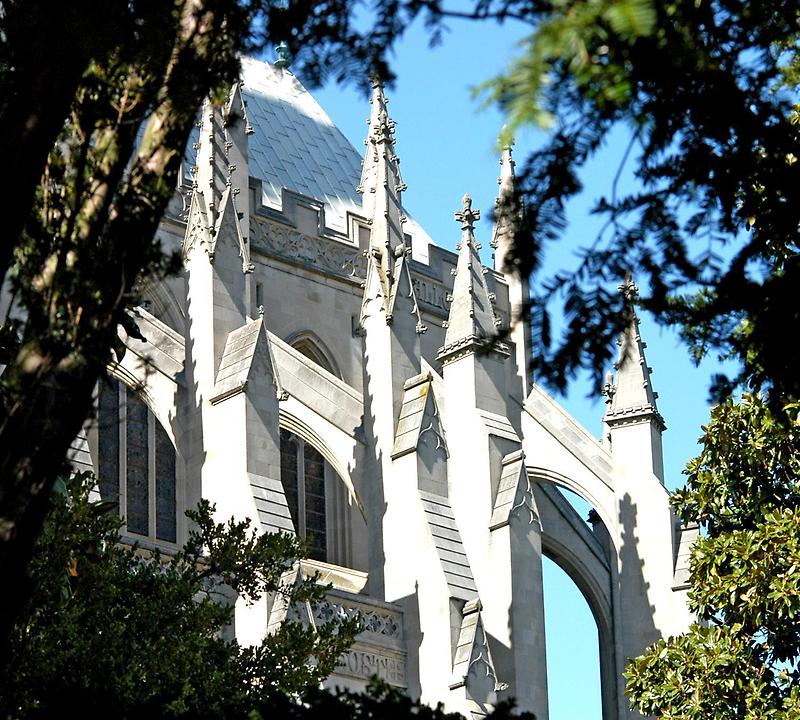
column 634, row 416
column 364, row 664
column 472, row 345
column 322, row 254
column 373, row 622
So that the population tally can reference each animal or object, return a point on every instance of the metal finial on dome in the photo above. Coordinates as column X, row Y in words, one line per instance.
column 282, row 50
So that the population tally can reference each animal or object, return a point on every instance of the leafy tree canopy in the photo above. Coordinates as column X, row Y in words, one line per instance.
column 707, row 93
column 741, row 659
column 97, row 100
column 115, row 631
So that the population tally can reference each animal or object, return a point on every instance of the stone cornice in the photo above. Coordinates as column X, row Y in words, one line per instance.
column 325, row 255
column 472, row 345
column 635, row 416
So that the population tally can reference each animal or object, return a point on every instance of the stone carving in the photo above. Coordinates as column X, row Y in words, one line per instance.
column 473, row 665
column 320, row 253
column 372, row 621
column 197, row 227
column 431, row 295
column 230, row 227
column 434, row 427
column 524, row 504
column 365, row 664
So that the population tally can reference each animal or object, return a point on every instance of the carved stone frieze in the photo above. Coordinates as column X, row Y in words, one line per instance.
column 364, row 664
column 431, row 296
column 327, row 256
column 379, row 647
column 386, row 624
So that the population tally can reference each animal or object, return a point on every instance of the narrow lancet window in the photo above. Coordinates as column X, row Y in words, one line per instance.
column 165, row 487
column 108, row 422
column 136, row 463
column 138, row 495
column 303, row 479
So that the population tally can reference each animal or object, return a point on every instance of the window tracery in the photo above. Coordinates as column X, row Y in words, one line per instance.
column 310, row 348
column 303, row 474
column 136, row 463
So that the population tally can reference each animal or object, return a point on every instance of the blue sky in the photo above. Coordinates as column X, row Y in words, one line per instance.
column 446, row 145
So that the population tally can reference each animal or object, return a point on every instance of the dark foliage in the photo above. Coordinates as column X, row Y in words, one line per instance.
column 707, row 92
column 117, row 631
column 741, row 659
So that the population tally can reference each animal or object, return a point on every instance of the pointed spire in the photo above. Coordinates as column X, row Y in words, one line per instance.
column 472, row 322
column 382, row 186
column 219, row 173
column 630, row 395
column 505, row 210
column 211, row 167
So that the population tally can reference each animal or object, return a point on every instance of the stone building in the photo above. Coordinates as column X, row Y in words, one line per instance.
column 322, row 367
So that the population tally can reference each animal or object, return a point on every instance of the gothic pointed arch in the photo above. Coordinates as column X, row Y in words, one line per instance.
column 588, row 559
column 596, row 493
column 323, row 503
column 309, row 345
column 135, row 460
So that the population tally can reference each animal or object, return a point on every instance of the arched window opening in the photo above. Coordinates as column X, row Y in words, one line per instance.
column 310, row 349
column 303, row 478
column 321, row 508
column 135, row 463
column 573, row 651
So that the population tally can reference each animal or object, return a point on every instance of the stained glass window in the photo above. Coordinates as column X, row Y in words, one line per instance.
column 303, row 479
column 135, row 463
column 136, row 450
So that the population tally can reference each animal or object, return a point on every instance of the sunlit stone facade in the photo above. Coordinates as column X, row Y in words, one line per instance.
column 322, row 367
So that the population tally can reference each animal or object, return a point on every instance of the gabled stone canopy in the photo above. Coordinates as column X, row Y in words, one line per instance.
column 418, row 415
column 239, row 357
column 631, row 396
column 472, row 651
column 514, row 492
column 247, row 366
column 472, row 322
column 281, row 611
